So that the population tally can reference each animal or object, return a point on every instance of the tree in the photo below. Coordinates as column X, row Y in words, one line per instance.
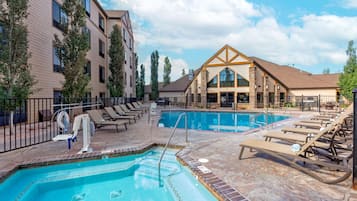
column 16, row 82
column 183, row 72
column 142, row 81
column 326, row 70
column 116, row 65
column 167, row 71
column 72, row 50
column 137, row 78
column 154, row 75
column 348, row 79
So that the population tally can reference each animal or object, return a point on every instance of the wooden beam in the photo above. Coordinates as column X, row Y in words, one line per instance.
column 229, row 64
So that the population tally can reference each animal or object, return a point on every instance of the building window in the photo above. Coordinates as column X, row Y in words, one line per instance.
column 86, row 5
column 101, row 74
column 226, row 77
column 212, row 98
column 282, row 97
column 271, row 97
column 243, row 97
column 130, row 44
column 124, row 35
column 131, row 81
column 242, row 82
column 125, row 79
column 87, row 69
column 101, row 48
column 57, row 99
column 57, row 64
column 3, row 40
column 101, row 22
column 213, row 82
column 59, row 16
column 86, row 31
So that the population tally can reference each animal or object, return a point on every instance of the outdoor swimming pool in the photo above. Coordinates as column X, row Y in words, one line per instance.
column 133, row 177
column 219, row 121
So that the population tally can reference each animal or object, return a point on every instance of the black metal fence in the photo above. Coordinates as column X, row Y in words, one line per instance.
column 33, row 120
column 301, row 103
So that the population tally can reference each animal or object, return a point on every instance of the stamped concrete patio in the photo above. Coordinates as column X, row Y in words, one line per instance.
column 257, row 176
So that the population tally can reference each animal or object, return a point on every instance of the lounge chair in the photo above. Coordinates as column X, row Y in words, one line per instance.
column 132, row 108
column 121, row 112
column 127, row 110
column 99, row 121
column 309, row 125
column 72, row 136
column 300, row 130
column 136, row 104
column 293, row 157
column 115, row 116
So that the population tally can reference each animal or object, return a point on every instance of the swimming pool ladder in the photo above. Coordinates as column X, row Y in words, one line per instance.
column 168, row 142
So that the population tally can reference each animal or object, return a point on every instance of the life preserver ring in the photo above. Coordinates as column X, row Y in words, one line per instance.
column 61, row 117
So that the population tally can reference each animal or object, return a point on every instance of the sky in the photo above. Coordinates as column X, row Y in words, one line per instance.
column 308, row 34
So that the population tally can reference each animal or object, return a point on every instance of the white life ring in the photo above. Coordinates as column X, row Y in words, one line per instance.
column 61, row 117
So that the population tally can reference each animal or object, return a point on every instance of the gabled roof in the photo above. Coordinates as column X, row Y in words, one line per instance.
column 294, row 78
column 181, row 84
column 147, row 88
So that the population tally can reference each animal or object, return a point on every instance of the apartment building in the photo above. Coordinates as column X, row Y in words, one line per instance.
column 45, row 19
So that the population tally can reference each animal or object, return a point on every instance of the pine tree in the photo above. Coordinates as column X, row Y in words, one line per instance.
column 16, row 82
column 116, row 65
column 167, row 71
column 72, row 50
column 348, row 79
column 154, row 75
column 142, row 81
column 183, row 72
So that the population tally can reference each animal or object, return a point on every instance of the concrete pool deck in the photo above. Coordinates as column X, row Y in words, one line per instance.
column 257, row 176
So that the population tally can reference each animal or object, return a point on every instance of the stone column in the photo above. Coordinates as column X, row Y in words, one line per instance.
column 265, row 91
column 252, row 87
column 277, row 95
column 189, row 102
column 204, row 88
column 195, row 98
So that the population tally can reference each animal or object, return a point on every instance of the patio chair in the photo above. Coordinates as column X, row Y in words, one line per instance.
column 294, row 157
column 113, row 115
column 132, row 108
column 99, row 121
column 309, row 125
column 127, row 110
column 136, row 104
column 72, row 136
column 120, row 111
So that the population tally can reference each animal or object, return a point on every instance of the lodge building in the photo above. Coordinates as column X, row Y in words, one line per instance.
column 230, row 77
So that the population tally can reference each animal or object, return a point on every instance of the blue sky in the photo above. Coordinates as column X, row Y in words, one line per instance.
column 308, row 34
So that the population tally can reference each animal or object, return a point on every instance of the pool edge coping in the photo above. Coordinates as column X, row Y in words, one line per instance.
column 219, row 188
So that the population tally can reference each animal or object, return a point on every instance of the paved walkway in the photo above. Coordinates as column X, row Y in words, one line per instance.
column 256, row 176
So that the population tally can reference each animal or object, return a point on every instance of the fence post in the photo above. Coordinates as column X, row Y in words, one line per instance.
column 302, row 103
column 354, row 177
column 319, row 103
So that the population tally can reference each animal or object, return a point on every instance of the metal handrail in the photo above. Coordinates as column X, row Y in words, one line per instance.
column 168, row 142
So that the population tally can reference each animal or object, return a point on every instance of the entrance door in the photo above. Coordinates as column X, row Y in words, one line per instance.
column 227, row 98
column 260, row 100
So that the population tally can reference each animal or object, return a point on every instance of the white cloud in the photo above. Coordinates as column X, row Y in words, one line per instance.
column 350, row 4
column 176, row 68
column 176, row 25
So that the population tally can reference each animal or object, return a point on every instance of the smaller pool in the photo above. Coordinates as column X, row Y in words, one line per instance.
column 220, row 121
column 126, row 178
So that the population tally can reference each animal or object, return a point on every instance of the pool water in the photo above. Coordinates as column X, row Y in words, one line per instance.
column 124, row 178
column 219, row 121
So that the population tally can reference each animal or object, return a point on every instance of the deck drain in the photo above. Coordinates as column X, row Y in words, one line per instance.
column 203, row 160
